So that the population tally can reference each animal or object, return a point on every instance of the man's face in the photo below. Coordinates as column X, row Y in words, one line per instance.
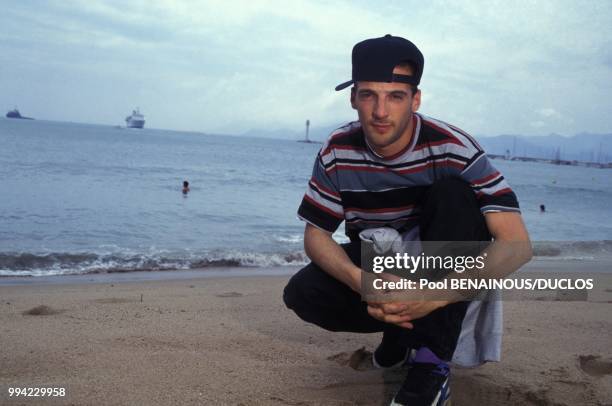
column 385, row 112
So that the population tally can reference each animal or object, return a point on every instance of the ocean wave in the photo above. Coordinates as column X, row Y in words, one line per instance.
column 293, row 239
column 572, row 249
column 62, row 263
column 115, row 259
column 570, row 258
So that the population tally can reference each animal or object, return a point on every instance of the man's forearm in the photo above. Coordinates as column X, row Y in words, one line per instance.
column 502, row 259
column 329, row 256
column 510, row 250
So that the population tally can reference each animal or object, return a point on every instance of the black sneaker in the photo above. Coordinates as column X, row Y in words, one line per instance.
column 426, row 384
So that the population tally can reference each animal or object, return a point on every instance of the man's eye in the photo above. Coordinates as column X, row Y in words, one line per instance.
column 398, row 97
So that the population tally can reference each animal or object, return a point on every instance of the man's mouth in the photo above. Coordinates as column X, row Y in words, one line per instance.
column 381, row 128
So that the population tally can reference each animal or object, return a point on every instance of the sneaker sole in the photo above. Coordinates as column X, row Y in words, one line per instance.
column 437, row 401
column 445, row 403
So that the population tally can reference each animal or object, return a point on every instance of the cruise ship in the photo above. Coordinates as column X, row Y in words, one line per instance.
column 135, row 120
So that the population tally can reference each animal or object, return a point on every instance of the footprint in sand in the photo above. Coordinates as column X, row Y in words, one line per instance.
column 594, row 365
column 359, row 360
column 41, row 310
column 230, row 294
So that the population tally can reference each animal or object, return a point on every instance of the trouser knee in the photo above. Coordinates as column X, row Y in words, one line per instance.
column 318, row 298
column 291, row 293
column 299, row 296
column 450, row 212
column 304, row 292
column 451, row 193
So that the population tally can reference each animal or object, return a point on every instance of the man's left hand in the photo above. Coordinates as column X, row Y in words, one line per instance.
column 402, row 313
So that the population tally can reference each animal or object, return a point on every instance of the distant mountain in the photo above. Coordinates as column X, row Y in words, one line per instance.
column 582, row 147
column 315, row 133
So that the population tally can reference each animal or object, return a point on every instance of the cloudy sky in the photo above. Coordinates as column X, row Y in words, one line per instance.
column 525, row 67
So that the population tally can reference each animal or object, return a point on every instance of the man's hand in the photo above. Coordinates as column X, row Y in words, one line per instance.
column 402, row 307
column 402, row 313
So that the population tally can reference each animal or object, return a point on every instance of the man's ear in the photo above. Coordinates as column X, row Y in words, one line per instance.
column 416, row 100
column 353, row 95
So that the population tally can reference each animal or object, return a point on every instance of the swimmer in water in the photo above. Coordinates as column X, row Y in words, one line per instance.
column 185, row 187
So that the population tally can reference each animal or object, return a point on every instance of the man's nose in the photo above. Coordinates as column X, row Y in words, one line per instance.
column 380, row 110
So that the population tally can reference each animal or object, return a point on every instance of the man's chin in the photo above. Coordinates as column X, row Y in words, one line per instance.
column 377, row 146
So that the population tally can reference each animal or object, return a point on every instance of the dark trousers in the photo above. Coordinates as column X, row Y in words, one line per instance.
column 449, row 213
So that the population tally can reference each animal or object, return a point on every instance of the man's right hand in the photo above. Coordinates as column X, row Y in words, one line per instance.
column 390, row 313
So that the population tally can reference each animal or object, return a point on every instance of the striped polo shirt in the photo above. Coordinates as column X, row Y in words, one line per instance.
column 351, row 183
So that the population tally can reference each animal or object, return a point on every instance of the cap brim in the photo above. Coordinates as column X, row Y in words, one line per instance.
column 344, row 85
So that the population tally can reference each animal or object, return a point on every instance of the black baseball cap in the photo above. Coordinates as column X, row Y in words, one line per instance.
column 375, row 58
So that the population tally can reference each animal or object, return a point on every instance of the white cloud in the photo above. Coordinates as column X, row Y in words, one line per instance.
column 237, row 64
column 549, row 112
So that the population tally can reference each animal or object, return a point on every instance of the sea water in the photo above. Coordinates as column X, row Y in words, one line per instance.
column 78, row 198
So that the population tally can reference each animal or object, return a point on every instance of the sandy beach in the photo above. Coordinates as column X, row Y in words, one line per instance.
column 230, row 340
